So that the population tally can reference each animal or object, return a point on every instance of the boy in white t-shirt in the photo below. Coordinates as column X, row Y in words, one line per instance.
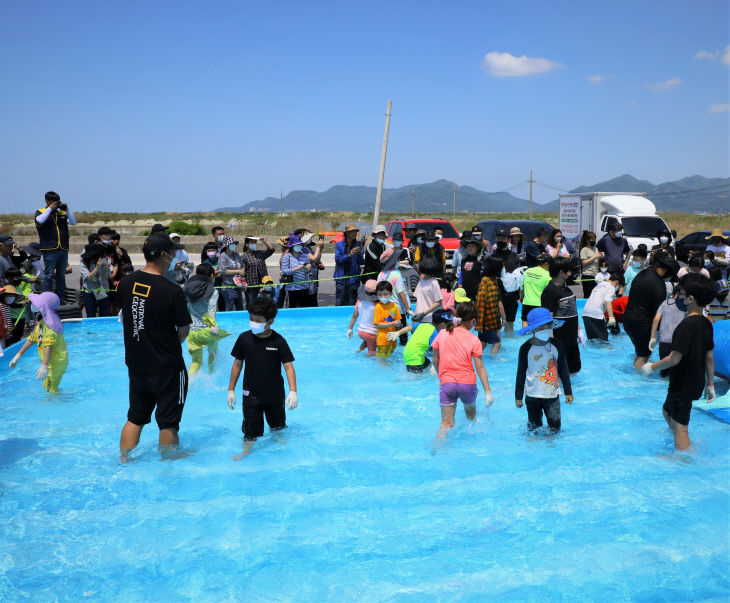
column 363, row 314
column 428, row 290
column 600, row 300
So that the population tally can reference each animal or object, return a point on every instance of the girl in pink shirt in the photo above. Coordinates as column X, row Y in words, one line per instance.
column 454, row 350
column 447, row 291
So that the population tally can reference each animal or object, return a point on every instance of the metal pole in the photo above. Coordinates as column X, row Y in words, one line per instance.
column 453, row 213
column 281, row 207
column 531, row 181
column 379, row 195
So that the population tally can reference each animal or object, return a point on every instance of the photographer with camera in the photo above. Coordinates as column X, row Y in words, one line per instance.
column 52, row 224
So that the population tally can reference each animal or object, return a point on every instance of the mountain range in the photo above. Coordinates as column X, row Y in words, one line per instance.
column 690, row 195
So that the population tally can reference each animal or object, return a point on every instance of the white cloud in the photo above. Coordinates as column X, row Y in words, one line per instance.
column 598, row 78
column 631, row 102
column 720, row 108
column 666, row 86
column 725, row 58
column 704, row 55
column 504, row 64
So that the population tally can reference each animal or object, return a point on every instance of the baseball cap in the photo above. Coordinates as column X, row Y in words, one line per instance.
column 158, row 228
column 6, row 240
column 157, row 243
column 266, row 280
column 174, row 234
column 378, row 228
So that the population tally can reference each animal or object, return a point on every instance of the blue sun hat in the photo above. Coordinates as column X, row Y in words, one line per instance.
column 538, row 317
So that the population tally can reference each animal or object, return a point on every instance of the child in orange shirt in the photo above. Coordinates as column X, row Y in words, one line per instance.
column 386, row 318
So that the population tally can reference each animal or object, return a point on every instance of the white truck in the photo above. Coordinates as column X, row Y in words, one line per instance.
column 595, row 211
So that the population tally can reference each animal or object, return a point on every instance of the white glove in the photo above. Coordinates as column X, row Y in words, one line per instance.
column 119, row 318
column 392, row 336
column 2, row 352
column 231, row 398
column 652, row 344
column 214, row 331
column 42, row 373
column 292, row 401
column 14, row 361
column 612, row 321
column 488, row 398
column 647, row 369
column 710, row 393
column 581, row 337
column 433, row 371
column 349, row 333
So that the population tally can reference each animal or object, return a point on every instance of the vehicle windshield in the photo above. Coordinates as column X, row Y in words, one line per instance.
column 642, row 226
column 449, row 232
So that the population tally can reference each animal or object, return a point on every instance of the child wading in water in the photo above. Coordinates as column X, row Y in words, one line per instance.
column 414, row 354
column 691, row 359
column 264, row 351
column 454, row 350
column 363, row 314
column 541, row 366
column 48, row 334
column 386, row 318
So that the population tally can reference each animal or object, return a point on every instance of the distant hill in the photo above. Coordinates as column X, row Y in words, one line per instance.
column 689, row 195
column 704, row 194
column 433, row 197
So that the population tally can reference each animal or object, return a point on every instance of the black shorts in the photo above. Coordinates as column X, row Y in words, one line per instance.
column 490, row 336
column 418, row 368
column 526, row 311
column 166, row 391
column 640, row 333
column 678, row 407
column 254, row 411
column 595, row 328
column 510, row 301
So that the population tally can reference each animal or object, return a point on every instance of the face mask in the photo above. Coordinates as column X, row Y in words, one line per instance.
column 439, row 237
column 663, row 240
column 419, row 240
column 220, row 238
column 383, row 300
column 268, row 288
column 681, row 305
column 604, row 269
column 592, row 243
column 501, row 245
column 33, row 308
column 9, row 299
column 257, row 327
column 381, row 241
column 232, row 247
column 543, row 335
column 397, row 243
column 430, row 244
column 252, row 247
column 708, row 264
column 297, row 248
column 106, row 242
column 619, row 234
column 558, row 239
column 477, row 235
column 636, row 264
column 212, row 255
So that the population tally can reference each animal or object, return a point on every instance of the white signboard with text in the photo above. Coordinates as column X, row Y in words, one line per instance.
column 570, row 216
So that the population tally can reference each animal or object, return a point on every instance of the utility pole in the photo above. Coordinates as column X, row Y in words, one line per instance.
column 453, row 213
column 531, row 181
column 413, row 202
column 379, row 195
column 281, row 207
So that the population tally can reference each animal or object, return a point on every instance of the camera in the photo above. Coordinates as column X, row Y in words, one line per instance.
column 63, row 206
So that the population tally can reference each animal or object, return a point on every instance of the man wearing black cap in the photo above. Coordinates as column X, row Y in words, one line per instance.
column 510, row 299
column 52, row 224
column 432, row 247
column 372, row 254
column 6, row 256
column 156, row 322
column 648, row 291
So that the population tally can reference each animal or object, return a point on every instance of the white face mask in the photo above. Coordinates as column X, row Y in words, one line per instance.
column 232, row 247
column 439, row 237
column 257, row 327
column 543, row 335
column 212, row 255
column 397, row 243
column 430, row 244
column 9, row 299
column 220, row 238
column 252, row 247
column 619, row 234
column 663, row 240
column 636, row 264
column 383, row 300
column 381, row 241
column 604, row 269
column 297, row 248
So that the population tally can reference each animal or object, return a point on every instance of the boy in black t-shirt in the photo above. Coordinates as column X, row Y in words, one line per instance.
column 691, row 360
column 264, row 351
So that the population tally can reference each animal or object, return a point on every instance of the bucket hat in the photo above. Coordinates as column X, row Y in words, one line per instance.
column 351, row 227
column 366, row 291
column 47, row 304
column 515, row 230
column 538, row 317
column 294, row 240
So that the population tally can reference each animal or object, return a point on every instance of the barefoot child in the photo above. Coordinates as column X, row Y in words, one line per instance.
column 363, row 314
column 691, row 360
column 541, row 366
column 48, row 334
column 264, row 352
column 454, row 350
column 386, row 318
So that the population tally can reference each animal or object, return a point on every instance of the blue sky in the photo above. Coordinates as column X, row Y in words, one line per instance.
column 143, row 106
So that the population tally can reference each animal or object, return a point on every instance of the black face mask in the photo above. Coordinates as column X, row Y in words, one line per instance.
column 501, row 244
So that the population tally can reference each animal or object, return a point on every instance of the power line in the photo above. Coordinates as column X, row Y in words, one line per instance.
column 654, row 194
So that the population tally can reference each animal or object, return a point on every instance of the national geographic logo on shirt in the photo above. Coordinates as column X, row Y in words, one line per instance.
column 139, row 294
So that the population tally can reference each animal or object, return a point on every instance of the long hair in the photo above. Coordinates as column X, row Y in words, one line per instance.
column 466, row 311
column 585, row 237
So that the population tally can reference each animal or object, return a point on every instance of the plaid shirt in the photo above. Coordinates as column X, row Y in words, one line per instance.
column 488, row 318
column 254, row 262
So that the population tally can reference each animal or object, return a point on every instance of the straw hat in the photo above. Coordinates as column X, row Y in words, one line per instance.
column 716, row 232
column 515, row 230
column 351, row 227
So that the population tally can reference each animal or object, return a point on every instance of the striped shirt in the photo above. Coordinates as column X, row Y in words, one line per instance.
column 291, row 261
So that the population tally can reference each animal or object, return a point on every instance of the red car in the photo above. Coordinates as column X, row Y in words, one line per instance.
column 450, row 240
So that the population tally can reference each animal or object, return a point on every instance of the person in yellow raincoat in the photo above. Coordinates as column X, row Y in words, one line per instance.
column 202, row 304
column 48, row 336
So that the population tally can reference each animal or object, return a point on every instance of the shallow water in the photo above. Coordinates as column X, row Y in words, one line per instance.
column 357, row 499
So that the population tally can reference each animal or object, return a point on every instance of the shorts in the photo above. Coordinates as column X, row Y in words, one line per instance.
column 368, row 339
column 595, row 328
column 526, row 311
column 490, row 336
column 254, row 411
column 418, row 368
column 166, row 391
column 451, row 392
column 384, row 351
column 640, row 333
column 678, row 407
column 535, row 409
column 510, row 301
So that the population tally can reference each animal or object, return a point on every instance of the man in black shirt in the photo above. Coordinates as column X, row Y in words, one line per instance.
column 536, row 247
column 373, row 252
column 691, row 359
column 560, row 300
column 510, row 299
column 264, row 351
column 648, row 291
column 156, row 322
column 470, row 274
